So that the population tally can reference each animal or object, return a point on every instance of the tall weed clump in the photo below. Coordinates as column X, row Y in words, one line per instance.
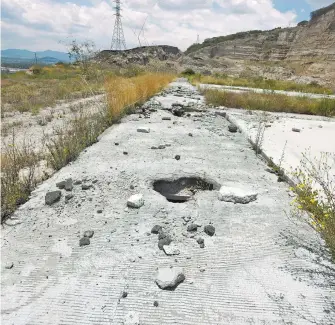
column 315, row 193
column 124, row 93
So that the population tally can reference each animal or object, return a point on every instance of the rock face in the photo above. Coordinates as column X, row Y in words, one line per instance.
column 310, row 45
column 169, row 278
column 140, row 55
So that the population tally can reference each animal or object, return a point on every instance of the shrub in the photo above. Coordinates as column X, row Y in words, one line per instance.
column 188, row 72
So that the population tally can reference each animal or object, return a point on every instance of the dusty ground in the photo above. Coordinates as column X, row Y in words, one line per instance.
column 262, row 266
column 33, row 130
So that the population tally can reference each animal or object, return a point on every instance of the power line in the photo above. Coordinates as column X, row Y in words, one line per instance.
column 118, row 41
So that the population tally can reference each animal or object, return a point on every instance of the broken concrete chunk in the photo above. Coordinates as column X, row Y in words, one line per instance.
column 236, row 195
column 135, row 201
column 68, row 184
column 84, row 241
column 164, row 242
column 52, row 197
column 171, row 249
column 169, row 278
column 9, row 265
column 232, row 128
column 89, row 233
column 143, row 130
column 209, row 230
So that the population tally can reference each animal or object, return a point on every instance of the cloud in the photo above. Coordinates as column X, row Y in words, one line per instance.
column 41, row 24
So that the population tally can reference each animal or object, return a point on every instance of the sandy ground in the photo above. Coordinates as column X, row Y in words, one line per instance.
column 263, row 91
column 262, row 266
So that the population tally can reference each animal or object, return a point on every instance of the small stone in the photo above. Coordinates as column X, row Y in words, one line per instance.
column 86, row 186
column 166, row 118
column 52, row 197
column 162, row 146
column 202, row 245
column 135, row 201
column 281, row 179
column 143, row 130
column 190, row 134
column 89, row 233
column 209, row 230
column 169, row 278
column 84, row 241
column 124, row 294
column 68, row 184
column 232, row 128
column 125, row 153
column 116, row 143
column 132, row 187
column 296, row 130
column 202, row 269
column 99, row 211
column 164, row 242
column 94, row 181
column 200, row 240
column 192, row 227
column 156, row 229
column 77, row 182
column 154, row 147
column 177, row 157
column 68, row 197
column 156, row 303
column 60, row 185
column 171, row 249
column 9, row 265
column 320, row 126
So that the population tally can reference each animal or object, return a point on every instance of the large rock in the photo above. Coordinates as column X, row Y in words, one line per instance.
column 236, row 195
column 135, row 201
column 169, row 278
column 52, row 197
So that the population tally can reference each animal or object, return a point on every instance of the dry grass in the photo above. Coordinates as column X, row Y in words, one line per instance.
column 122, row 95
column 271, row 102
column 28, row 93
column 260, row 83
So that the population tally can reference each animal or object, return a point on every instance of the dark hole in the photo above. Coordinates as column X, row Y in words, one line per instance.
column 182, row 189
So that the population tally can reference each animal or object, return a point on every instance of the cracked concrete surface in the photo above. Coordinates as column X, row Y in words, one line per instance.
column 262, row 266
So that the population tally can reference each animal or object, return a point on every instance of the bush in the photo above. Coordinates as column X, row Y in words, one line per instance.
column 188, row 72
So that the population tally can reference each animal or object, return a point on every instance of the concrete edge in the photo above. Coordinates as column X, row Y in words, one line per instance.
column 265, row 157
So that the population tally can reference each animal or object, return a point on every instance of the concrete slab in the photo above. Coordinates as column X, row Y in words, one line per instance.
column 260, row 267
column 281, row 143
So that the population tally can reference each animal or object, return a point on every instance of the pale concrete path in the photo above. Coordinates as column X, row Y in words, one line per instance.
column 261, row 266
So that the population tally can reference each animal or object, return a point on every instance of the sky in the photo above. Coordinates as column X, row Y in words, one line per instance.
column 38, row 25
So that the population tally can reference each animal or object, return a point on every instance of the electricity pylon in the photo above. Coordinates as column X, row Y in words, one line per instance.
column 118, row 41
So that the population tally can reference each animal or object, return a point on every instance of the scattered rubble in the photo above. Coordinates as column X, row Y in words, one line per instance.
column 236, row 195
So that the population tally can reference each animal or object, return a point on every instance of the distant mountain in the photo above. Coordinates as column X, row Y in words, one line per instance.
column 29, row 55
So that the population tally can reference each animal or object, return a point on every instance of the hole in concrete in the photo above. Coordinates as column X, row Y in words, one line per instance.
column 182, row 189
